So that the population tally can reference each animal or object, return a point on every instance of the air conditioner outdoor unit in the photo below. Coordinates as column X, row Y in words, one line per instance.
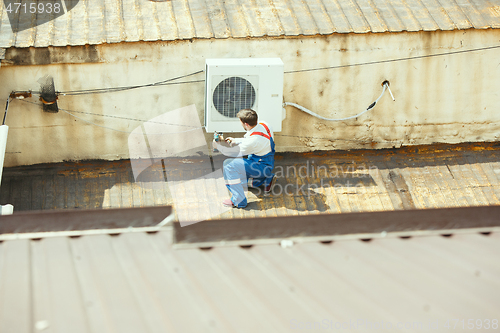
column 235, row 84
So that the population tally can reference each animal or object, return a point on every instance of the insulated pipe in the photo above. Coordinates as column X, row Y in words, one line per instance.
column 385, row 85
column 6, row 109
column 4, row 130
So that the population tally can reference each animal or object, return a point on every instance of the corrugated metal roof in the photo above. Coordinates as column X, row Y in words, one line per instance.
column 138, row 283
column 418, row 177
column 113, row 21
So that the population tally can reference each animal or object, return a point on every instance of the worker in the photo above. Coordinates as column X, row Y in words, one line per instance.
column 254, row 171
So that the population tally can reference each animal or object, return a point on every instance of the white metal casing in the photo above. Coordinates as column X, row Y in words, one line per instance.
column 266, row 77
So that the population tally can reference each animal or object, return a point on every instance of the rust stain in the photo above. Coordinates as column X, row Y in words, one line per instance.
column 321, row 181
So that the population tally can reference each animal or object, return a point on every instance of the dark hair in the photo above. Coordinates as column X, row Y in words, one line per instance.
column 248, row 116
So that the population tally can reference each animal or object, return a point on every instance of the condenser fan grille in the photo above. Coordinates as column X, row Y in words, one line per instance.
column 232, row 95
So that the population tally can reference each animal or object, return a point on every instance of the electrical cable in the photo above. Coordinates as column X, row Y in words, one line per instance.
column 109, row 90
column 394, row 60
column 127, row 118
column 168, row 81
column 70, row 112
column 114, row 89
column 6, row 110
column 301, row 108
column 117, row 130
column 141, row 120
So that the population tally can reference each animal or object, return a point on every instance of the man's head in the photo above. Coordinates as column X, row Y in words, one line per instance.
column 248, row 118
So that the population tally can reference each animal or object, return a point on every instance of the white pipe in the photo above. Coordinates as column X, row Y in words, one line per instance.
column 390, row 92
column 4, row 130
column 301, row 108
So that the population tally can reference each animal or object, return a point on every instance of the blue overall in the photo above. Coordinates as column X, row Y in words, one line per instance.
column 237, row 171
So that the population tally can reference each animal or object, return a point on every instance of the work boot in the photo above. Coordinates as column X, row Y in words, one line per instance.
column 228, row 203
column 269, row 188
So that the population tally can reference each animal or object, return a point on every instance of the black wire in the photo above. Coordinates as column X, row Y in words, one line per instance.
column 157, row 122
column 393, row 60
column 114, row 89
column 108, row 90
column 168, row 81
column 116, row 117
column 6, row 110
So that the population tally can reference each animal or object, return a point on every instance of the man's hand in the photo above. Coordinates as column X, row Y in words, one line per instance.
column 223, row 142
column 230, row 141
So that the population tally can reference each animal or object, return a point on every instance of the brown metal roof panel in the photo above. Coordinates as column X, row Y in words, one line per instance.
column 166, row 20
column 95, row 14
column 256, row 283
column 149, row 20
column 235, row 312
column 25, row 38
column 15, row 287
column 6, row 34
column 472, row 248
column 429, row 285
column 463, row 274
column 349, row 263
column 78, row 34
column 287, row 17
column 296, row 265
column 303, row 16
column 56, row 287
column 469, row 9
column 236, row 19
column 320, row 16
column 100, row 319
column 184, row 20
column 422, row 15
column 136, row 282
column 456, row 14
column 131, row 24
column 105, row 284
column 372, row 15
column 492, row 12
column 479, row 243
column 354, row 16
column 148, row 266
column 337, row 16
column 113, row 21
column 439, row 14
column 218, row 19
column 389, row 15
column 405, row 15
column 253, row 19
column 227, row 304
column 201, row 21
column 269, row 17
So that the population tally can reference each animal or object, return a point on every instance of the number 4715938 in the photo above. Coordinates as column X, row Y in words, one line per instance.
column 33, row 8
column 471, row 324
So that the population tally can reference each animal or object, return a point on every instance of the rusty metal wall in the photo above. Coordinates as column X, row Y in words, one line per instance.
column 450, row 98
